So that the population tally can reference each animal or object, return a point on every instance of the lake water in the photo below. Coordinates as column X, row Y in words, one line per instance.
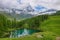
column 22, row 32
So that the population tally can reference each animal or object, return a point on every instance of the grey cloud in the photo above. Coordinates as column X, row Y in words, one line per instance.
column 46, row 3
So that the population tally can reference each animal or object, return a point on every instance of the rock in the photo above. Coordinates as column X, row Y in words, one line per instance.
column 57, row 38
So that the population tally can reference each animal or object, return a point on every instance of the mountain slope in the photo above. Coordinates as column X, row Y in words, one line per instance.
column 52, row 24
column 17, row 16
column 50, row 27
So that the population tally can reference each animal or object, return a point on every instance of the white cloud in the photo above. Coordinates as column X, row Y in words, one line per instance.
column 46, row 3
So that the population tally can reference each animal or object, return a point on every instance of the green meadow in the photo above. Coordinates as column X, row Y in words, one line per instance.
column 49, row 26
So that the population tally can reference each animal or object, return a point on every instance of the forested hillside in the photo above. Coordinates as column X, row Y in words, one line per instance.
column 5, row 25
column 49, row 26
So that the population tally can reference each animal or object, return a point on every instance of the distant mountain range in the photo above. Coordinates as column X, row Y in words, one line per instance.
column 26, row 12
column 17, row 16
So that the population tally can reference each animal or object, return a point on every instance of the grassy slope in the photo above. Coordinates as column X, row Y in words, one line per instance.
column 51, row 28
column 43, row 36
column 52, row 25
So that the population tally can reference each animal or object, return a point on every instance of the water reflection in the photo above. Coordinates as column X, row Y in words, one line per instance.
column 22, row 32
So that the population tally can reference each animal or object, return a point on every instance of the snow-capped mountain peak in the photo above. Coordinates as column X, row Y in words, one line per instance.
column 30, row 7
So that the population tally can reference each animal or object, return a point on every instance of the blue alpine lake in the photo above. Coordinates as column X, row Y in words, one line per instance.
column 22, row 32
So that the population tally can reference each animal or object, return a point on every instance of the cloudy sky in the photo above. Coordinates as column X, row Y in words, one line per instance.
column 39, row 4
